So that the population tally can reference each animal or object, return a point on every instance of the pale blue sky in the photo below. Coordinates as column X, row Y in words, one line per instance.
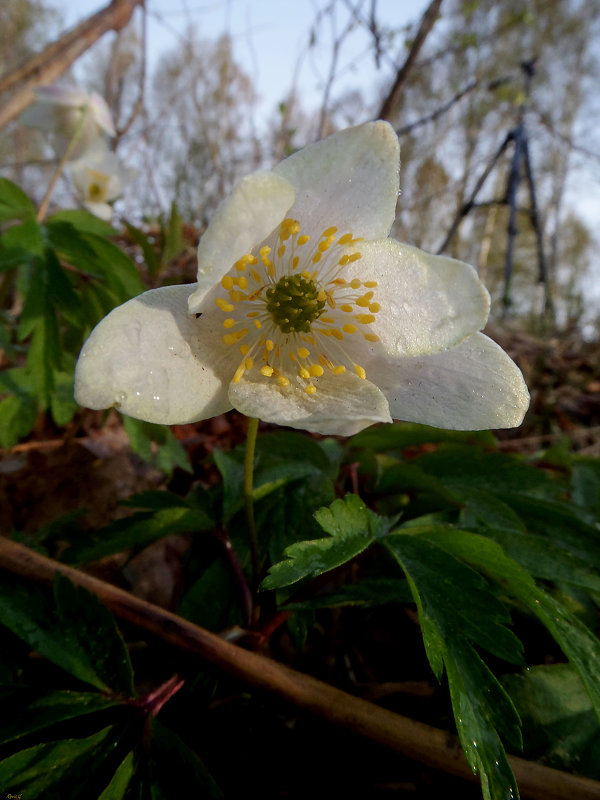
column 269, row 37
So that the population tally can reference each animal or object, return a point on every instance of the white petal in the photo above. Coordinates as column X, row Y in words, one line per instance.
column 257, row 204
column 473, row 386
column 343, row 404
column 428, row 303
column 349, row 180
column 62, row 95
column 101, row 210
column 101, row 113
column 154, row 361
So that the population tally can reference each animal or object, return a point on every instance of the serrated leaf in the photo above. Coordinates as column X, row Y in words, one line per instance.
column 70, row 767
column 26, row 710
column 14, row 203
column 454, row 595
column 351, row 526
column 577, row 642
column 454, row 609
column 76, row 632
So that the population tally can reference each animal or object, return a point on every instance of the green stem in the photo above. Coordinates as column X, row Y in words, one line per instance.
column 43, row 209
column 248, row 501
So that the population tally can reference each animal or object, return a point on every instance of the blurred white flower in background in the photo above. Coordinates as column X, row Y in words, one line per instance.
column 68, row 111
column 99, row 178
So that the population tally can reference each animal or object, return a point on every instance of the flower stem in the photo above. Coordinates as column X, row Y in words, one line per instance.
column 248, row 501
column 43, row 209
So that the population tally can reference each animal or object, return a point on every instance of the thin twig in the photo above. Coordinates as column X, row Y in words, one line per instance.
column 412, row 739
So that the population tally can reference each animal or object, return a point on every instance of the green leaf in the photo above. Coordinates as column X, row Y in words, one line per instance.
column 117, row 788
column 266, row 480
column 366, row 594
column 26, row 710
column 82, row 221
column 148, row 250
column 156, row 445
column 456, row 608
column 173, row 238
column 559, row 724
column 462, row 468
column 138, row 531
column 22, row 242
column 351, row 526
column 14, row 203
column 175, row 770
column 577, row 642
column 18, row 414
column 455, row 596
column 69, row 768
column 77, row 633
column 399, row 435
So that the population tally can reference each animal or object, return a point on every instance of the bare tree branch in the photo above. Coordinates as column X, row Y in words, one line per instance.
column 390, row 103
column 58, row 56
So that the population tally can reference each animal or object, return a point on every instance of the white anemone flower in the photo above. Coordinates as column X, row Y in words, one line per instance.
column 58, row 110
column 306, row 314
column 99, row 178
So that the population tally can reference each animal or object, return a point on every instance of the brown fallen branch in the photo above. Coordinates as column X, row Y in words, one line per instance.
column 58, row 56
column 414, row 740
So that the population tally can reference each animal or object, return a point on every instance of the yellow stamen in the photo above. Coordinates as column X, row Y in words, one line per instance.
column 249, row 363
column 227, row 282
column 355, row 257
column 304, row 373
column 316, row 370
column 283, row 381
column 349, row 328
column 303, row 239
column 238, row 373
column 365, row 319
column 360, row 372
column 229, row 322
column 345, row 239
column 310, row 389
column 339, row 370
column 267, row 371
column 223, row 304
column 303, row 352
column 374, row 308
column 347, row 308
column 371, row 337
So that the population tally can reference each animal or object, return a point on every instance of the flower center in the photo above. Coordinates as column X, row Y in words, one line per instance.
column 294, row 303
column 292, row 313
column 97, row 187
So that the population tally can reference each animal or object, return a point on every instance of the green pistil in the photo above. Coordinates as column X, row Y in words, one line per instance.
column 293, row 303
